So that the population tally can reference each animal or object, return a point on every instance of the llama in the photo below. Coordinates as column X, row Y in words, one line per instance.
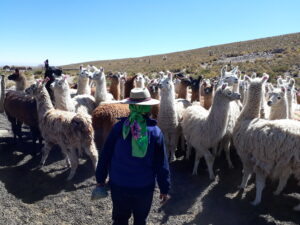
column 104, row 117
column 183, row 87
column 277, row 100
column 154, row 92
column 170, row 114
column 19, row 79
column 205, row 129
column 195, row 88
column 129, row 84
column 269, row 148
column 101, row 94
column 20, row 108
column 123, row 78
column 63, row 101
column 206, row 93
column 72, row 132
column 115, row 86
column 2, row 93
column 83, row 85
column 140, row 81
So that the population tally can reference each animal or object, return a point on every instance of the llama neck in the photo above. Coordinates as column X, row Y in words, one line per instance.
column 122, row 90
column 63, row 100
column 167, row 107
column 279, row 111
column 195, row 95
column 252, row 106
column 2, row 93
column 101, row 91
column 44, row 103
column 182, row 92
column 235, row 87
column 21, row 83
column 129, row 84
column 218, row 114
column 290, row 105
column 83, row 86
column 207, row 101
column 115, row 90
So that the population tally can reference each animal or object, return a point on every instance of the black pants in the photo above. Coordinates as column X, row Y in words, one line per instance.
column 127, row 202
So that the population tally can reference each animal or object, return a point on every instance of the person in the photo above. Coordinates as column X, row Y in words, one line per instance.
column 51, row 72
column 134, row 156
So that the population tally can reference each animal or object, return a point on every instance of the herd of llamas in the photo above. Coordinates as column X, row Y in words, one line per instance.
column 258, row 119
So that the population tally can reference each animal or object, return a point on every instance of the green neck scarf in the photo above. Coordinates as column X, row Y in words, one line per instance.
column 136, row 123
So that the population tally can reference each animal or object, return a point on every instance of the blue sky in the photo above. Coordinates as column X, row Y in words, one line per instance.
column 71, row 31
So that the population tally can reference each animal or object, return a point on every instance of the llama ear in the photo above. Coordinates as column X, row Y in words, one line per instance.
column 292, row 82
column 101, row 69
column 223, row 70
column 253, row 75
column 283, row 89
column 80, row 68
column 235, row 69
column 45, row 81
column 265, row 77
column 170, row 75
column 279, row 81
column 224, row 85
column 17, row 71
column 247, row 78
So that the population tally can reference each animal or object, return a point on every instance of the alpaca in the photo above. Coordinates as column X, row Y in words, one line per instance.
column 83, row 85
column 2, row 93
column 277, row 100
column 204, row 129
column 101, row 90
column 170, row 114
column 269, row 148
column 72, row 132
column 63, row 101
column 19, row 79
column 104, row 117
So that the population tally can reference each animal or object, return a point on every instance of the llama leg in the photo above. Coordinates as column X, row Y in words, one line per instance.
column 260, row 185
column 197, row 160
column 227, row 153
column 45, row 152
column 92, row 152
column 182, row 143
column 188, row 151
column 19, row 129
column 209, row 159
column 74, row 163
column 173, row 145
column 282, row 182
column 247, row 171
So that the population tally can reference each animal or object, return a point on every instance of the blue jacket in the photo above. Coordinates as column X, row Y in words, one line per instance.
column 133, row 172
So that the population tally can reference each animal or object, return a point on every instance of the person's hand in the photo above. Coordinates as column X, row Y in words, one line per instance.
column 163, row 198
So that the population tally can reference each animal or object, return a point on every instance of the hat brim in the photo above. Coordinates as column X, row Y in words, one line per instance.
column 147, row 102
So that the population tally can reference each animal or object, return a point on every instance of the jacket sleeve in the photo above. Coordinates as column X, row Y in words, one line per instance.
column 106, row 156
column 162, row 166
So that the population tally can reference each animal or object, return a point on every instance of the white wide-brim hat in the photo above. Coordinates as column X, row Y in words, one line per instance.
column 140, row 96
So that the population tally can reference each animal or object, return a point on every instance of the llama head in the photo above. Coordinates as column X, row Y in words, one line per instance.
column 225, row 91
column 195, row 83
column 140, row 81
column 207, row 86
column 15, row 76
column 98, row 74
column 60, row 84
column 153, row 87
column 36, row 87
column 85, row 72
column 166, row 83
column 230, row 77
column 256, row 84
column 276, row 96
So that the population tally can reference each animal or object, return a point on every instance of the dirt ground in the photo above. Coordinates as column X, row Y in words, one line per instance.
column 30, row 196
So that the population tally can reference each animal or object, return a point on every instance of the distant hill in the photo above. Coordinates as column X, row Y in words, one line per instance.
column 274, row 55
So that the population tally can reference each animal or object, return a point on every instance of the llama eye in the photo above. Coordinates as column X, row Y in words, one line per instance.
column 278, row 97
column 229, row 93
